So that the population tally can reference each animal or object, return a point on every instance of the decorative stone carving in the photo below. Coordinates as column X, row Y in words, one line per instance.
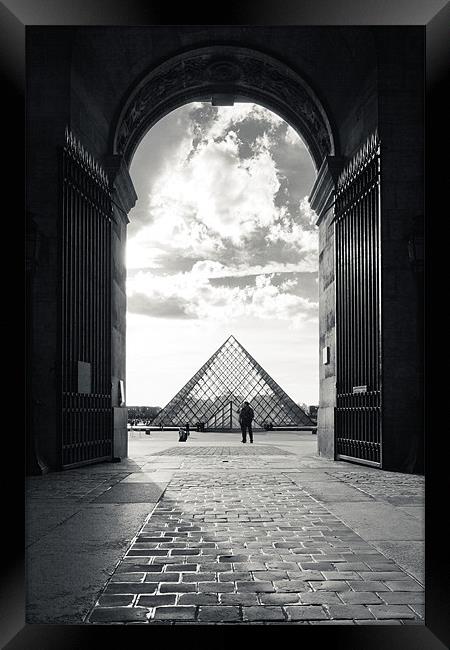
column 325, row 185
column 223, row 71
column 238, row 71
column 124, row 195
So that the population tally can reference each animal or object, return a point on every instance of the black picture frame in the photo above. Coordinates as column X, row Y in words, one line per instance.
column 433, row 15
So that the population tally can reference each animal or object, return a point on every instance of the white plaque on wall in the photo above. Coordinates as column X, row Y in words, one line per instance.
column 84, row 377
column 121, row 393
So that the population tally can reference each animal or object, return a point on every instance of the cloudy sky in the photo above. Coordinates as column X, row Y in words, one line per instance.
column 221, row 241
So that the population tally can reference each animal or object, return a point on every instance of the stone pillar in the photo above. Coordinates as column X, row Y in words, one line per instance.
column 124, row 197
column 321, row 201
column 48, row 98
column 401, row 126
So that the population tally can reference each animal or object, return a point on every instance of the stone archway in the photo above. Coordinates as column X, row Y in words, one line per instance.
column 223, row 74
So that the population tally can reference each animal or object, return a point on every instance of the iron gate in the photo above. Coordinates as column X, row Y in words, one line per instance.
column 86, row 409
column 358, row 312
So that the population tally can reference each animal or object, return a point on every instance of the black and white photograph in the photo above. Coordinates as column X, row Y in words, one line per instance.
column 225, row 332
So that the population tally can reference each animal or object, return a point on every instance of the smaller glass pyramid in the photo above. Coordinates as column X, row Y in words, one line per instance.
column 215, row 394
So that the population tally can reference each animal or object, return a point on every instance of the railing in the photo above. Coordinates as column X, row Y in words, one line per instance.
column 86, row 412
column 358, row 308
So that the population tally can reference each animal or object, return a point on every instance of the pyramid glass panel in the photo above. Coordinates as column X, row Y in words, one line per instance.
column 215, row 394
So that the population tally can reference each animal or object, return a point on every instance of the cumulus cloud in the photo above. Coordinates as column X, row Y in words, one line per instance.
column 230, row 201
column 192, row 295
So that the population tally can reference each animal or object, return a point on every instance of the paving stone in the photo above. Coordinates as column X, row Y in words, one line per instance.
column 165, row 576
column 330, row 585
column 131, row 588
column 375, row 622
column 385, row 565
column 319, row 598
column 134, row 560
column 175, row 613
column 205, row 567
column 215, row 587
column 291, row 585
column 402, row 585
column 154, row 553
column 185, row 551
column 349, row 566
column 249, row 566
column 263, row 614
column 110, row 600
column 119, row 614
column 256, row 586
column 128, row 567
column 391, row 611
column 182, row 567
column 199, row 577
column 279, row 599
column 176, row 587
column 305, row 575
column 341, row 575
column 403, row 597
column 128, row 577
column 157, row 599
column 349, row 611
column 360, row 598
column 232, row 576
column 198, row 599
column 317, row 566
column 335, row 622
column 220, row 613
column 382, row 575
column 269, row 575
column 419, row 609
column 367, row 585
column 410, row 621
column 305, row 612
column 238, row 599
column 283, row 566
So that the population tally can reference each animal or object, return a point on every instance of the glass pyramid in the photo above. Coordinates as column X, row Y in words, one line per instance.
column 214, row 395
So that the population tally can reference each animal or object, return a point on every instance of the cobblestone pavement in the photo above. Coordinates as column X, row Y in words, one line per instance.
column 75, row 485
column 234, row 540
column 403, row 488
column 267, row 450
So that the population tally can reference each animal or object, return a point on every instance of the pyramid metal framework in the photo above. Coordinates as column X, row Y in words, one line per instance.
column 214, row 395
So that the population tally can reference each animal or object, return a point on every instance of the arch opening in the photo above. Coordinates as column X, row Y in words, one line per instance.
column 221, row 242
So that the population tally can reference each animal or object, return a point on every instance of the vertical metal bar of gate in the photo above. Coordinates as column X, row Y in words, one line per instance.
column 358, row 308
column 86, row 417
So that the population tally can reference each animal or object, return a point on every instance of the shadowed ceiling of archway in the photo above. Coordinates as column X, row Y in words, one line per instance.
column 208, row 72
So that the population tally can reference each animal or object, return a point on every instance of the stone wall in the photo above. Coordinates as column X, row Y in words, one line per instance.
column 401, row 125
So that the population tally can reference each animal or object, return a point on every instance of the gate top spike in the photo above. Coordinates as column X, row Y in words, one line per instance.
column 365, row 152
column 85, row 157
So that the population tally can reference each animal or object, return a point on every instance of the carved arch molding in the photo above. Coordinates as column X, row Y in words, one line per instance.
column 208, row 72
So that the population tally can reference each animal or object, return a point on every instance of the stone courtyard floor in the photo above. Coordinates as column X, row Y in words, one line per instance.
column 212, row 531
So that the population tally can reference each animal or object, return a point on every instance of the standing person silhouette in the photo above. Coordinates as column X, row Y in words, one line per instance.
column 246, row 416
